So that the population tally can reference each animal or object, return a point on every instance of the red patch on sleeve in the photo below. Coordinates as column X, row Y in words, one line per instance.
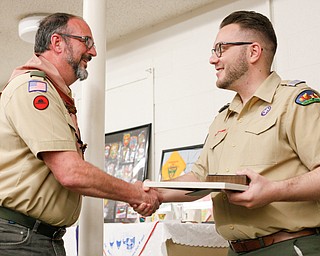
column 41, row 102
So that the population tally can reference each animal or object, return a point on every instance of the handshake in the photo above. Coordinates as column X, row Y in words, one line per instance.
column 147, row 201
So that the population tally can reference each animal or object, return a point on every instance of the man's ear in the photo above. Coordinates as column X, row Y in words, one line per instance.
column 255, row 52
column 56, row 42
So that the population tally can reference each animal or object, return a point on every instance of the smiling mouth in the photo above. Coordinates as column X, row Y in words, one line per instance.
column 219, row 70
column 85, row 62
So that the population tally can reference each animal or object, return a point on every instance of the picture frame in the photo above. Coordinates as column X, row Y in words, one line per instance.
column 126, row 158
column 178, row 161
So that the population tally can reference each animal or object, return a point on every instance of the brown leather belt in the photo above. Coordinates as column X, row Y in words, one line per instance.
column 261, row 242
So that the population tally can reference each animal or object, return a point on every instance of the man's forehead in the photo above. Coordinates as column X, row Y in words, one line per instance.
column 79, row 27
column 228, row 33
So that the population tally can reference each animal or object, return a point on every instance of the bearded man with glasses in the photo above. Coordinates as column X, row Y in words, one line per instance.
column 43, row 173
column 269, row 132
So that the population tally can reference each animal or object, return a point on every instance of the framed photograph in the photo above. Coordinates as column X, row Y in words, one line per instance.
column 126, row 158
column 178, row 161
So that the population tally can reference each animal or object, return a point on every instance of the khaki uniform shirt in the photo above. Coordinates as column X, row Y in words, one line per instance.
column 33, row 119
column 275, row 137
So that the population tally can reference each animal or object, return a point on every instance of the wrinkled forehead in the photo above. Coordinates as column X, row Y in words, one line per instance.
column 78, row 26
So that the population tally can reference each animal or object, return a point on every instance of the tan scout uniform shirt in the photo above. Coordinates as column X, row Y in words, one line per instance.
column 275, row 137
column 27, row 185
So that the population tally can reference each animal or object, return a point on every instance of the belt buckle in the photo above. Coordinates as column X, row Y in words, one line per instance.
column 57, row 235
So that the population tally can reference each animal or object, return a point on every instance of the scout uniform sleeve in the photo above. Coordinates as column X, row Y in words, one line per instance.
column 37, row 114
column 302, row 126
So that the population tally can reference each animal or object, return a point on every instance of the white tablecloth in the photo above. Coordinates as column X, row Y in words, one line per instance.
column 149, row 238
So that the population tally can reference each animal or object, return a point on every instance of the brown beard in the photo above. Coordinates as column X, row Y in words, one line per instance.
column 236, row 70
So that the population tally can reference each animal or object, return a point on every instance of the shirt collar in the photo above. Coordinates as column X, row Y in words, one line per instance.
column 264, row 92
column 268, row 88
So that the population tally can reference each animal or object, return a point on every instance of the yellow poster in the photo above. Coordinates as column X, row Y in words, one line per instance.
column 173, row 167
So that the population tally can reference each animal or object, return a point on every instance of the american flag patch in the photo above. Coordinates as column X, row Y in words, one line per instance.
column 37, row 86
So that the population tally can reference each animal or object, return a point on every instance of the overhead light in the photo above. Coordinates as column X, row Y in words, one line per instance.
column 28, row 28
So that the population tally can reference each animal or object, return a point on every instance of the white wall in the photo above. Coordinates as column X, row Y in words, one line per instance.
column 297, row 24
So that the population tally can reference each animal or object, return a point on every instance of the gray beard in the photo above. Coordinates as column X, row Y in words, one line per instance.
column 82, row 74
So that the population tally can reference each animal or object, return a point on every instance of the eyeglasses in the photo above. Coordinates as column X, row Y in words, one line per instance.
column 218, row 49
column 85, row 39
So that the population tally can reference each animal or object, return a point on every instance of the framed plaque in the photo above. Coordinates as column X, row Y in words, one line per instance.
column 126, row 158
column 178, row 161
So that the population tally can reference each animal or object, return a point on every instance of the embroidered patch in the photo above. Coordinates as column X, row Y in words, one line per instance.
column 220, row 131
column 307, row 97
column 37, row 86
column 265, row 111
column 41, row 102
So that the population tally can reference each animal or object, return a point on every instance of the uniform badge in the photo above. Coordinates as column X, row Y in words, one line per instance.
column 37, row 86
column 40, row 102
column 265, row 110
column 307, row 97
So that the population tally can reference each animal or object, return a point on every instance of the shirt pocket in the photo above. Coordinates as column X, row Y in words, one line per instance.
column 260, row 144
column 216, row 146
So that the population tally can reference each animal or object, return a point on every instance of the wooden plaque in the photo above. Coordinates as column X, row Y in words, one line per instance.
column 236, row 179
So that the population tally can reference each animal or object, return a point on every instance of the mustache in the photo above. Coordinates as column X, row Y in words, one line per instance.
column 86, row 57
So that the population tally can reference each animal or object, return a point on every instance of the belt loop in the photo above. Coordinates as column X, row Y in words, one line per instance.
column 261, row 241
column 36, row 225
column 231, row 245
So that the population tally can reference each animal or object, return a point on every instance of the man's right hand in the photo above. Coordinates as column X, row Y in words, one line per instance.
column 151, row 200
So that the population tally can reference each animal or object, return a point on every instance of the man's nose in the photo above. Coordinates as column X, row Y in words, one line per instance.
column 93, row 51
column 213, row 59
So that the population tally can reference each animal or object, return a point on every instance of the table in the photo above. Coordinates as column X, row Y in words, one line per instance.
column 167, row 238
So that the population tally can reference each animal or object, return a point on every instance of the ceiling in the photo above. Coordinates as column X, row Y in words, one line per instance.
column 123, row 17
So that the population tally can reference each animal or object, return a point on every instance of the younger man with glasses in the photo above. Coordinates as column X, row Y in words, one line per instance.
column 43, row 174
column 268, row 132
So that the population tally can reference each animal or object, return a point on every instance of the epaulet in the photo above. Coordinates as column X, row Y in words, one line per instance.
column 224, row 107
column 292, row 83
column 37, row 73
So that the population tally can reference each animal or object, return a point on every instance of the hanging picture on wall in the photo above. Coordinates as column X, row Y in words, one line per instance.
column 126, row 158
column 178, row 161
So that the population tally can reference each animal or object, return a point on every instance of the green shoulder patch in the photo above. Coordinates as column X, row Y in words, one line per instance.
column 37, row 73
column 307, row 97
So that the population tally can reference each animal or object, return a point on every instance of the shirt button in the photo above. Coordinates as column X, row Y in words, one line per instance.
column 227, row 170
column 224, row 197
column 231, row 227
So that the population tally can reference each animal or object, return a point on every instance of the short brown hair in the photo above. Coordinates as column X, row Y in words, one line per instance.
column 256, row 22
